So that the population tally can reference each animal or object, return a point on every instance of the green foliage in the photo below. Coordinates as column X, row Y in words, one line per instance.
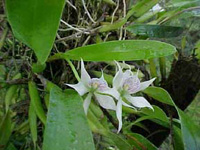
column 36, row 101
column 6, row 128
column 37, row 67
column 10, row 94
column 35, row 22
column 33, row 123
column 66, row 127
column 159, row 94
column 158, row 31
column 190, row 131
column 141, row 142
column 119, row 50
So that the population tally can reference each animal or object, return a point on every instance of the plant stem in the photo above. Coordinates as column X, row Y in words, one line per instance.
column 73, row 69
column 162, row 67
column 153, row 70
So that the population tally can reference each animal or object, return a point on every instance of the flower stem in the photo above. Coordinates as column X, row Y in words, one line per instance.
column 73, row 69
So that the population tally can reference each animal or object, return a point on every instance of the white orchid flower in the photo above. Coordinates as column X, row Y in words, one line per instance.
column 125, row 84
column 93, row 87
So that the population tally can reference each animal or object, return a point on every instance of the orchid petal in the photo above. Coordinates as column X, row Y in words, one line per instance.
column 85, row 78
column 102, row 76
column 118, row 78
column 139, row 102
column 105, row 101
column 127, row 105
column 112, row 92
column 119, row 114
column 144, row 85
column 127, row 74
column 79, row 87
column 87, row 102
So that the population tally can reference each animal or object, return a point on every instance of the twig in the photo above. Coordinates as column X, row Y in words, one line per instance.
column 78, row 34
column 73, row 36
column 87, row 11
column 71, row 5
column 115, row 11
column 70, row 26
column 17, row 81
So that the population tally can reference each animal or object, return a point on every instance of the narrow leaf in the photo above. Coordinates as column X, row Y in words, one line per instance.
column 158, row 31
column 121, row 50
column 35, row 99
column 5, row 130
column 33, row 122
column 140, row 142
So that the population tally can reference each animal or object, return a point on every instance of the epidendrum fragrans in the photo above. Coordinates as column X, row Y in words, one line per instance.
column 124, row 84
column 45, row 47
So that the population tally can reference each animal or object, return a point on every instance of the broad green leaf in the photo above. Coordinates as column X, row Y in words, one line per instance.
column 159, row 94
column 120, row 50
column 36, row 101
column 140, row 142
column 158, row 31
column 35, row 23
column 177, row 137
column 66, row 127
column 190, row 132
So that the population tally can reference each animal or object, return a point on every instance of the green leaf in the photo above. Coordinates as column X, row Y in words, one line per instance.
column 177, row 137
column 6, row 127
column 159, row 94
column 141, row 7
column 33, row 123
column 140, row 142
column 10, row 94
column 119, row 141
column 158, row 31
column 11, row 147
column 120, row 50
column 158, row 113
column 183, row 3
column 190, row 132
column 35, row 23
column 67, row 126
column 36, row 101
